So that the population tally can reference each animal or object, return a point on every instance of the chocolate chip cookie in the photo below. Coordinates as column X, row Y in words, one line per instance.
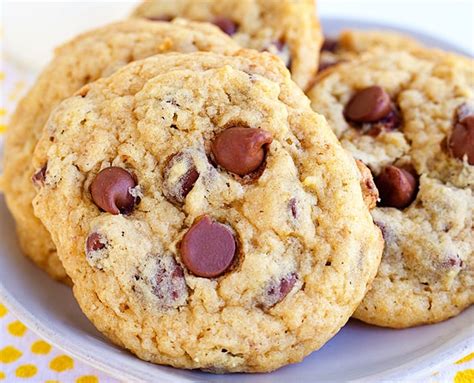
column 206, row 215
column 410, row 120
column 92, row 55
column 287, row 28
column 352, row 43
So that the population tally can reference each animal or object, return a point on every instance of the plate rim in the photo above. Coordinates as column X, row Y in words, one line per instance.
column 435, row 359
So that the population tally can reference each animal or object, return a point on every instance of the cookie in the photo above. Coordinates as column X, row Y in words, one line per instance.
column 88, row 57
column 352, row 43
column 213, row 219
column 410, row 120
column 289, row 29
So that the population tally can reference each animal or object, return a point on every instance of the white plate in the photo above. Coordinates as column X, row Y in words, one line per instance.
column 358, row 352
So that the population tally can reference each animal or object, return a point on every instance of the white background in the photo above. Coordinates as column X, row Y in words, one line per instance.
column 33, row 28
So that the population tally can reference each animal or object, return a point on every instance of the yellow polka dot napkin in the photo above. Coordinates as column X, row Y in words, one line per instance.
column 26, row 358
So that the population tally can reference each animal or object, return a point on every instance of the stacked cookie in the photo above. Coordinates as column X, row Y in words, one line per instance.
column 407, row 112
column 207, row 217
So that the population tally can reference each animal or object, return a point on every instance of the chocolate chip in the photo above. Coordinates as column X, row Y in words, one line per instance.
column 368, row 105
column 278, row 290
column 330, row 45
column 461, row 139
column 40, row 176
column 390, row 122
column 95, row 253
column 372, row 111
column 95, row 242
column 179, row 176
column 241, row 150
column 226, row 25
column 208, row 248
column 397, row 187
column 111, row 191
column 169, row 284
column 293, row 207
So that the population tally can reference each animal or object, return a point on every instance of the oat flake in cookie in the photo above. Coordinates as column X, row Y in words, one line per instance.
column 86, row 58
column 410, row 120
column 244, row 259
column 290, row 29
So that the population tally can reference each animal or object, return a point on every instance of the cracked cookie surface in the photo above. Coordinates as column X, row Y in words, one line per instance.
column 287, row 28
column 92, row 55
column 410, row 120
column 243, row 259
